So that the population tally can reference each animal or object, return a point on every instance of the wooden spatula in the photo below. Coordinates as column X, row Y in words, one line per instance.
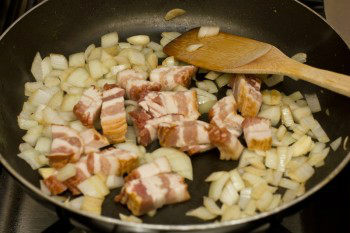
column 234, row 54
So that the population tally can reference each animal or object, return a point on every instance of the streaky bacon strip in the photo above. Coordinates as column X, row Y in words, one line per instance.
column 246, row 90
column 146, row 194
column 89, row 106
column 113, row 115
column 93, row 140
column 158, row 104
column 257, row 133
column 184, row 135
column 170, row 77
column 135, row 84
column 67, row 146
column 55, row 186
column 158, row 166
column 146, row 126
column 112, row 161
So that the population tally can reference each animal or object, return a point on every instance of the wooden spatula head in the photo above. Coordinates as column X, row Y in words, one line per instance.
column 218, row 52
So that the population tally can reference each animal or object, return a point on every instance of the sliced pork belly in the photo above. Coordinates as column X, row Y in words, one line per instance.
column 135, row 84
column 55, row 186
column 150, row 193
column 158, row 104
column 89, row 106
column 184, row 135
column 112, row 161
column 146, row 126
column 113, row 115
column 257, row 133
column 226, row 141
column 158, row 166
column 93, row 140
column 170, row 77
column 67, row 146
column 246, row 90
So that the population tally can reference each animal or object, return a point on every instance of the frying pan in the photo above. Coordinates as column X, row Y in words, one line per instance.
column 68, row 26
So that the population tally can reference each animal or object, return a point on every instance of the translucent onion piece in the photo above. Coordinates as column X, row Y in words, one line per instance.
column 174, row 13
column 336, row 143
column 207, row 31
column 201, row 213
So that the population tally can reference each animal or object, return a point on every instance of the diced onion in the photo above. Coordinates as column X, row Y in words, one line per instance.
column 336, row 143
column 207, row 31
column 36, row 67
column 179, row 161
column 193, row 47
column 58, row 61
column 265, row 200
column 170, row 61
column 46, row 66
column 174, row 13
column 289, row 195
column 31, row 157
column 130, row 135
column 300, row 57
column 139, row 40
column 212, row 75
column 345, row 143
column 319, row 133
column 77, row 60
column 43, row 145
column 276, row 200
column 201, row 213
column 231, row 213
column 130, row 218
column 244, row 197
column 214, row 176
column 211, row 206
column 109, row 39
column 229, row 194
column 217, row 186
column 273, row 113
column 44, row 189
column 223, row 80
column 46, row 172
column 287, row 118
column 76, row 203
column 303, row 173
column 281, row 132
column 272, row 97
column 155, row 46
column 273, row 80
column 236, row 179
column 302, row 146
column 66, row 172
column 93, row 187
column 313, row 102
column 113, row 181
column 92, row 205
column 296, row 96
column 288, row 184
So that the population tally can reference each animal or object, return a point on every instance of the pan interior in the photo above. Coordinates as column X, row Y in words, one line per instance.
column 69, row 26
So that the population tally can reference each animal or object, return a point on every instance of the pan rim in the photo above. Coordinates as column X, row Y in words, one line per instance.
column 187, row 227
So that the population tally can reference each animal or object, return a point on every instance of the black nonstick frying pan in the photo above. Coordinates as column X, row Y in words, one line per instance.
column 68, row 26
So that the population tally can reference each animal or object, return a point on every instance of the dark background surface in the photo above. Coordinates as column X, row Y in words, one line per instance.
column 327, row 211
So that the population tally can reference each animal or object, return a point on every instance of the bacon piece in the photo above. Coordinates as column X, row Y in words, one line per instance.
column 158, row 104
column 113, row 115
column 146, row 126
column 67, row 146
column 158, row 166
column 257, row 133
column 112, row 161
column 135, row 84
column 55, row 186
column 146, row 194
column 226, row 141
column 194, row 149
column 89, row 106
column 81, row 175
column 184, row 135
column 170, row 77
column 246, row 90
column 93, row 140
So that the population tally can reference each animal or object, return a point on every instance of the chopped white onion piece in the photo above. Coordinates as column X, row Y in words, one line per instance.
column 296, row 96
column 271, row 160
column 300, row 57
column 36, row 67
column 272, row 97
column 32, row 135
column 43, row 145
column 160, row 54
column 170, row 35
column 223, row 80
column 288, row 184
column 179, row 161
column 24, row 146
column 31, row 157
column 193, row 47
column 273, row 113
column 207, row 85
column 281, row 132
column 212, row 75
column 139, row 40
column 287, row 118
column 236, row 179
column 319, row 133
column 66, row 172
column 109, row 39
column 244, row 197
column 174, row 13
column 211, row 206
column 215, row 176
column 303, row 173
column 155, row 46
column 264, row 201
column 207, row 31
column 302, row 146
column 76, row 203
column 217, row 186
column 113, row 181
column 58, row 61
column 229, row 194
column 92, row 205
column 46, row 66
column 46, row 172
column 289, row 195
column 26, row 124
column 78, row 77
column 170, row 61
column 77, row 59
column 201, row 213
column 88, row 51
column 336, row 143
column 93, row 187
column 317, row 157
column 276, row 200
column 273, row 80
column 313, row 102
column 130, row 218
column 231, row 213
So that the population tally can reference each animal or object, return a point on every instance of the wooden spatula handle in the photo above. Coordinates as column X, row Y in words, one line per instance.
column 336, row 82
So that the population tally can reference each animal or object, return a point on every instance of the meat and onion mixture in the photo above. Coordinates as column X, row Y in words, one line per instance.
column 89, row 117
